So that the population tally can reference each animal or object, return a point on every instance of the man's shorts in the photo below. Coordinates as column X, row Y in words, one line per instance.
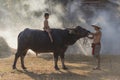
column 97, row 49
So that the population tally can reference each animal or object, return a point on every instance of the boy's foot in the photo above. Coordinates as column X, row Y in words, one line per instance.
column 51, row 41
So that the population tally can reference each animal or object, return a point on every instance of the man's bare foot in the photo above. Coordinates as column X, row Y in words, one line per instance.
column 97, row 68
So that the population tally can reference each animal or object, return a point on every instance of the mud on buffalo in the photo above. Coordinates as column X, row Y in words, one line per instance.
column 39, row 41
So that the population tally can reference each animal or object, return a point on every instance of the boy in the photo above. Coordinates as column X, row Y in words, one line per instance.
column 46, row 26
column 96, row 45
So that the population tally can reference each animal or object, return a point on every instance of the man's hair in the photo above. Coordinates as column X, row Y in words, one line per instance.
column 46, row 14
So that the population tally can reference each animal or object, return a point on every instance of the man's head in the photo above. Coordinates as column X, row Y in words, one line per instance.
column 46, row 15
column 97, row 28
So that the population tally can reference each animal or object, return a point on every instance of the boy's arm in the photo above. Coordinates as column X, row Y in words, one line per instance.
column 46, row 26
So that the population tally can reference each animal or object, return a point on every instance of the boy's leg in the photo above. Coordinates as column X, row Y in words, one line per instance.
column 50, row 36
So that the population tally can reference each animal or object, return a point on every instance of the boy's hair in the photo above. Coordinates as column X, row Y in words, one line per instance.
column 46, row 14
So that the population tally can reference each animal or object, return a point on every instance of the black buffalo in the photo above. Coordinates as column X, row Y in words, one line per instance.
column 39, row 41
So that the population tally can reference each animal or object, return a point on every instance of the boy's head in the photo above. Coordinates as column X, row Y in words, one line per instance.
column 46, row 15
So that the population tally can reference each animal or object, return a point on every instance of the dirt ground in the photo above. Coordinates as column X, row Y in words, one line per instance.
column 80, row 68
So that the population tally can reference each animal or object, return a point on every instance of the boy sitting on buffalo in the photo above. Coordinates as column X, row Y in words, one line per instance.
column 46, row 26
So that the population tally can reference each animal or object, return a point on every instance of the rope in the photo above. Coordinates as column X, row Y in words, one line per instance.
column 86, row 42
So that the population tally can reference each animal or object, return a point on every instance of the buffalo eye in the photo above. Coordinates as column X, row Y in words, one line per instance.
column 72, row 31
column 77, row 31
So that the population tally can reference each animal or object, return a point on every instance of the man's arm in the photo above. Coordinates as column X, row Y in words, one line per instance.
column 91, row 37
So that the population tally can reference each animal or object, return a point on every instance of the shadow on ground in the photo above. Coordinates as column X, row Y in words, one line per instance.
column 58, row 75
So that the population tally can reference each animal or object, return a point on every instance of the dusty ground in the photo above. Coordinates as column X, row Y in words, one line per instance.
column 80, row 68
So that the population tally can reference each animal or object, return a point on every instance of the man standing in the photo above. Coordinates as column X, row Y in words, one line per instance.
column 96, row 45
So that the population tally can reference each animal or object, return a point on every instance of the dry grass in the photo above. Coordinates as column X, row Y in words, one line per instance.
column 80, row 68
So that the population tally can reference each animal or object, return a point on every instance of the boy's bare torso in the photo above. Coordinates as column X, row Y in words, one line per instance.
column 46, row 25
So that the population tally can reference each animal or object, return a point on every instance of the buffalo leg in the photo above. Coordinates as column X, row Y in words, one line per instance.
column 62, row 61
column 56, row 61
column 22, row 59
column 17, row 55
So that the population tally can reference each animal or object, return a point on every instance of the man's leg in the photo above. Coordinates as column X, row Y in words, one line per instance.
column 97, row 61
column 97, row 56
column 98, row 66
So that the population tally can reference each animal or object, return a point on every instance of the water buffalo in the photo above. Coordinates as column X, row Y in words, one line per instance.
column 39, row 41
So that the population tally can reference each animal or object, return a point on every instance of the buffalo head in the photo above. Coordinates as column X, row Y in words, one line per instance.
column 79, row 32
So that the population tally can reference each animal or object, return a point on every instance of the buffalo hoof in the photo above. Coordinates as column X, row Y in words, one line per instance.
column 65, row 68
column 14, row 67
column 56, row 68
column 24, row 68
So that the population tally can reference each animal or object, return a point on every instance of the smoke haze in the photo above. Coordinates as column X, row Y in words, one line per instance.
column 15, row 15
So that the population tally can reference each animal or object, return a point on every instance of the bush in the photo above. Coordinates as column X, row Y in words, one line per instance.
column 5, row 50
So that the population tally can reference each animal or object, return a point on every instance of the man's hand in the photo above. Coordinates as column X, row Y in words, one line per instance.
column 91, row 36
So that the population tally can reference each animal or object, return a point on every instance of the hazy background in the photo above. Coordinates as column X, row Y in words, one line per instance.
column 16, row 15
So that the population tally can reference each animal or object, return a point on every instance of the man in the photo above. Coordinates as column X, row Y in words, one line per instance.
column 46, row 26
column 96, row 45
